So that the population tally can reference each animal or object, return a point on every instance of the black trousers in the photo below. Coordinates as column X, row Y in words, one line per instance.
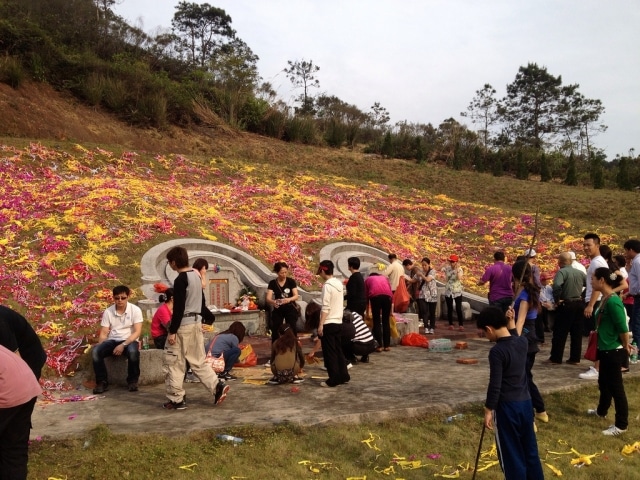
column 285, row 313
column 568, row 321
column 427, row 313
column 15, row 424
column 352, row 349
column 380, row 311
column 331, row 341
column 611, row 386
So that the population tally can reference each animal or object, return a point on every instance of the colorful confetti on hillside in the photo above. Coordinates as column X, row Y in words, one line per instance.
column 72, row 221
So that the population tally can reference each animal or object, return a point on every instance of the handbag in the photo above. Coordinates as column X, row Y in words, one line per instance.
column 592, row 346
column 591, row 353
column 216, row 363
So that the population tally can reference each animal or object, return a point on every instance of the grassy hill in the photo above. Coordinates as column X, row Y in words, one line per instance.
column 84, row 196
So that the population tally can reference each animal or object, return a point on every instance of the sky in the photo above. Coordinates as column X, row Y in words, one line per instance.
column 423, row 60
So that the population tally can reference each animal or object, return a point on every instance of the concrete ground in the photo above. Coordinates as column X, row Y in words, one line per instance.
column 405, row 382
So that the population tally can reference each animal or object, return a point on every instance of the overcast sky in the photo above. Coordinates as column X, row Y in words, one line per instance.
column 423, row 60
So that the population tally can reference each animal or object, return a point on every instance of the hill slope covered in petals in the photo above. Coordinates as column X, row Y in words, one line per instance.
column 76, row 222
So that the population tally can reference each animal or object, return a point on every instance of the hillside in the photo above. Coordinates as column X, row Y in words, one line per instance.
column 84, row 196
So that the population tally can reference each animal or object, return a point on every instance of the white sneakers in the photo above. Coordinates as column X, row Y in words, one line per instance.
column 591, row 374
column 613, row 431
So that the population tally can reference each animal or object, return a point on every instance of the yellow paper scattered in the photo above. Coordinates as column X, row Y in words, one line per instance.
column 555, row 471
column 370, row 441
column 629, row 449
column 255, row 381
column 189, row 467
column 488, row 465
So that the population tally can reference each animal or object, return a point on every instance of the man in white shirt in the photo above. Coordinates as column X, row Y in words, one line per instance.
column 119, row 331
column 394, row 271
column 591, row 245
column 330, row 328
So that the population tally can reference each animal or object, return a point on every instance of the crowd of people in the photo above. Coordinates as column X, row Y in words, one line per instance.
column 524, row 304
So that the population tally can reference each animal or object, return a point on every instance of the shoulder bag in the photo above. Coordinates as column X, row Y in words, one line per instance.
column 216, row 363
column 591, row 353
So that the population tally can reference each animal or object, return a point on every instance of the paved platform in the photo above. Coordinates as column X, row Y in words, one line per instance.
column 405, row 382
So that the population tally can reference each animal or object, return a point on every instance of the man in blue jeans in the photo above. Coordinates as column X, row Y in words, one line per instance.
column 631, row 250
column 119, row 331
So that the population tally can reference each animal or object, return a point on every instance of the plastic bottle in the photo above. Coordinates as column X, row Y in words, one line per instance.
column 230, row 438
column 457, row 416
column 145, row 342
column 634, row 353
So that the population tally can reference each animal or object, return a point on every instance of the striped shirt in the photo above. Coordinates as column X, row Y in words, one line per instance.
column 363, row 334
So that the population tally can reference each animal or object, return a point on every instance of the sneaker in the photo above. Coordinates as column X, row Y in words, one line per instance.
column 543, row 417
column 432, row 330
column 229, row 376
column 221, row 393
column 451, row 327
column 461, row 328
column 297, row 380
column 133, row 387
column 591, row 374
column 174, row 405
column 594, row 412
column 349, row 365
column 101, row 387
column 273, row 381
column 191, row 378
column 613, row 431
column 268, row 364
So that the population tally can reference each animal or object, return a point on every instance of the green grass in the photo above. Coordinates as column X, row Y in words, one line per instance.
column 338, row 451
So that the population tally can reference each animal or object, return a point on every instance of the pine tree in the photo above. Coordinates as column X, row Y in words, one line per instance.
column 522, row 171
column 387, row 146
column 596, row 171
column 497, row 169
column 623, row 179
column 478, row 159
column 572, row 174
column 545, row 172
column 457, row 159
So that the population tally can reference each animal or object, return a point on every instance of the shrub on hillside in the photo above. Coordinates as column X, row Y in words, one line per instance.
column 11, row 72
column 301, row 130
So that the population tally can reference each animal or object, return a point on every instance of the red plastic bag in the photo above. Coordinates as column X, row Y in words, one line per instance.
column 248, row 357
column 414, row 340
column 401, row 297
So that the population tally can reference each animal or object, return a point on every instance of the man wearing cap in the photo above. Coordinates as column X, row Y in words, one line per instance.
column 530, row 253
column 330, row 327
column 567, row 289
column 499, row 277
column 575, row 263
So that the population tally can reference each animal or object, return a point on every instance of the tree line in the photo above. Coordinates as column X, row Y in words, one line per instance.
column 200, row 72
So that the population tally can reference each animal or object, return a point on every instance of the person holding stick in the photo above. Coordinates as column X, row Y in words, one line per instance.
column 508, row 409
